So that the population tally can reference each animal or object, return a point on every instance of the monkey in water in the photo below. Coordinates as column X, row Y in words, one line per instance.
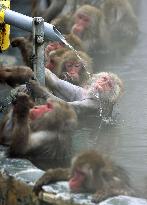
column 39, row 133
column 91, row 172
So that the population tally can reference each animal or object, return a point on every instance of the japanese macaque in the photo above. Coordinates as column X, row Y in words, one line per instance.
column 100, row 93
column 41, row 134
column 88, row 24
column 15, row 75
column 73, row 41
column 54, row 51
column 74, row 67
column 120, row 20
column 91, row 172
column 26, row 47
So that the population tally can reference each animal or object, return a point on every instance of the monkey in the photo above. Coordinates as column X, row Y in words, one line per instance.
column 55, row 50
column 88, row 24
column 99, row 95
column 26, row 47
column 75, row 67
column 121, row 22
column 39, row 133
column 92, row 172
column 15, row 75
column 72, row 66
column 71, row 39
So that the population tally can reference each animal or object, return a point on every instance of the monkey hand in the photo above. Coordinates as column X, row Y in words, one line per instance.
column 99, row 196
column 21, row 102
column 65, row 76
column 44, row 180
column 37, row 188
column 36, row 90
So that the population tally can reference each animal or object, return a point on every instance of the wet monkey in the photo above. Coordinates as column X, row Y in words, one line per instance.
column 75, row 69
column 39, row 133
column 70, row 67
column 99, row 94
column 54, row 51
column 91, row 172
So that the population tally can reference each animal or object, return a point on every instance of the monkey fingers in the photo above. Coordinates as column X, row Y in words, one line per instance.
column 36, row 91
column 101, row 196
column 44, row 180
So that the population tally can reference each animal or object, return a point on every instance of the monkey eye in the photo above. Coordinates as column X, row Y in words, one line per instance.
column 69, row 64
column 78, row 65
column 83, row 17
column 79, row 172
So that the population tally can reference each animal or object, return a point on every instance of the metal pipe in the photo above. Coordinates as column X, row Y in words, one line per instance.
column 38, row 49
column 25, row 22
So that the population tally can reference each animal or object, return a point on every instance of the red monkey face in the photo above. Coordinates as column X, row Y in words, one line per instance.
column 82, row 22
column 73, row 68
column 76, row 182
column 38, row 111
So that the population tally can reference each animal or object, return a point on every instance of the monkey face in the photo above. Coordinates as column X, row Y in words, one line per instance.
column 72, row 71
column 82, row 22
column 82, row 176
column 38, row 111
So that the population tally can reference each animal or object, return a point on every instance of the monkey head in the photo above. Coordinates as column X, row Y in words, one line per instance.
column 53, row 60
column 54, row 51
column 56, row 115
column 106, row 85
column 84, row 171
column 38, row 111
column 87, row 21
column 75, row 67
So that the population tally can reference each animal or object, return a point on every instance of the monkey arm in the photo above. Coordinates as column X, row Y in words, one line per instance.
column 54, row 9
column 63, row 89
column 20, row 125
column 85, row 106
column 52, row 175
column 14, row 75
